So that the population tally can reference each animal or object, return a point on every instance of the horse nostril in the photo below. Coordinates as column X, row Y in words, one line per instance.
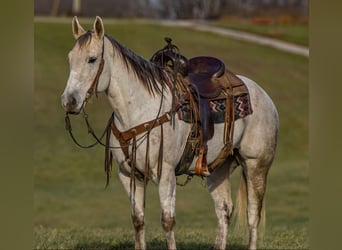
column 73, row 101
column 69, row 102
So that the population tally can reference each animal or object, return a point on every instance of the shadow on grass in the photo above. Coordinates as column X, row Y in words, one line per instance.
column 124, row 245
column 154, row 245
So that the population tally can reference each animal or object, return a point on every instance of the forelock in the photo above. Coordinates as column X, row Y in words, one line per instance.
column 85, row 39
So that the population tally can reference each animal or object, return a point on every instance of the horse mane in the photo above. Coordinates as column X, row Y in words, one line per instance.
column 149, row 74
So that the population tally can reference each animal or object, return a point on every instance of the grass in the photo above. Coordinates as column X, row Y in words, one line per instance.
column 295, row 32
column 73, row 210
column 96, row 238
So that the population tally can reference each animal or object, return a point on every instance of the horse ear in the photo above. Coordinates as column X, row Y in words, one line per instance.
column 98, row 27
column 77, row 29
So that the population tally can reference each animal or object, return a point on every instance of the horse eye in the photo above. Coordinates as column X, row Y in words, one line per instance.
column 92, row 59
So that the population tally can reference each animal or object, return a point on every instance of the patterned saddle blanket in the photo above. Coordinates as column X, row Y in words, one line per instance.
column 218, row 109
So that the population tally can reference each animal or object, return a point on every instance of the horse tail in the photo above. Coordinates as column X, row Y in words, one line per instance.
column 240, row 210
column 241, row 224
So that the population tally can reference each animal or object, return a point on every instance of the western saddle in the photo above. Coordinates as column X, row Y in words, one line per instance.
column 206, row 79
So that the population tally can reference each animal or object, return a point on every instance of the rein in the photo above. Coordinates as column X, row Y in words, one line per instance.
column 98, row 140
column 126, row 138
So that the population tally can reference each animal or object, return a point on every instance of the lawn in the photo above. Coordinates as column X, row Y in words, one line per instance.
column 291, row 32
column 73, row 210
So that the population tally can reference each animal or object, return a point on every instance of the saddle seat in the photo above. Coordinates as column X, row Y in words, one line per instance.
column 202, row 72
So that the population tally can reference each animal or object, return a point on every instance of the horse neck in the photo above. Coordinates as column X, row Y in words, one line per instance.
column 129, row 98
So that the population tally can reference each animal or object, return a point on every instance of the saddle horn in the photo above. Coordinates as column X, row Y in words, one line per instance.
column 169, row 56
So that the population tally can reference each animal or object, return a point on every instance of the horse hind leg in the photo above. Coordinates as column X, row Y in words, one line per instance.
column 254, row 177
column 137, row 210
column 220, row 191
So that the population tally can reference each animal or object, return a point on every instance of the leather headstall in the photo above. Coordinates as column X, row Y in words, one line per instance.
column 93, row 87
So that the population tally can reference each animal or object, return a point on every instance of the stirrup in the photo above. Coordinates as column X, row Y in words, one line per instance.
column 201, row 168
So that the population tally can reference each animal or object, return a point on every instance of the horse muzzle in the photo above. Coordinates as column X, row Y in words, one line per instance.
column 71, row 104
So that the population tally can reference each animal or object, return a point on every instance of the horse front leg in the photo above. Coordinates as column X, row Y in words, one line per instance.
column 219, row 187
column 137, row 210
column 167, row 195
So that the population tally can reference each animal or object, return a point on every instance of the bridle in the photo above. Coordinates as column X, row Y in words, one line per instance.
column 92, row 89
column 123, row 137
column 95, row 83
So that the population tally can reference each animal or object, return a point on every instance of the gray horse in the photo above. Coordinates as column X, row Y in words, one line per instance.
column 138, row 94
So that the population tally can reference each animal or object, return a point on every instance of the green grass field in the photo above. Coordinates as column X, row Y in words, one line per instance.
column 294, row 33
column 73, row 210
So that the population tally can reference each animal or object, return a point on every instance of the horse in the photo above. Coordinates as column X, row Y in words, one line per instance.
column 138, row 93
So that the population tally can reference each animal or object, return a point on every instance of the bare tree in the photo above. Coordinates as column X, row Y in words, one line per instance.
column 200, row 9
column 141, row 8
column 172, row 9
column 55, row 7
column 205, row 9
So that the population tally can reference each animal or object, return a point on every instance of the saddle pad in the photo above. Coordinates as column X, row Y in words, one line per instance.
column 242, row 106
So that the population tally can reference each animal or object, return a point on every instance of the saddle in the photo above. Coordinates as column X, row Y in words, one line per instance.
column 201, row 74
column 208, row 81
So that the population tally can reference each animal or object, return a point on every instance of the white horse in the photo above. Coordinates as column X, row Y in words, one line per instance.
column 138, row 93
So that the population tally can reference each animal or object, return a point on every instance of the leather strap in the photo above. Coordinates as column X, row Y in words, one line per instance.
column 93, row 87
column 125, row 137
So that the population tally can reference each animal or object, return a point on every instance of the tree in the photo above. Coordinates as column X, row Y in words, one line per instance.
column 76, row 7
column 200, row 9
column 55, row 7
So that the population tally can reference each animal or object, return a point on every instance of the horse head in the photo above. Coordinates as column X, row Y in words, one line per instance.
column 87, row 71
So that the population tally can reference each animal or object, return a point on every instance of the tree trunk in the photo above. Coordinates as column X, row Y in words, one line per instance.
column 76, row 7
column 55, row 7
